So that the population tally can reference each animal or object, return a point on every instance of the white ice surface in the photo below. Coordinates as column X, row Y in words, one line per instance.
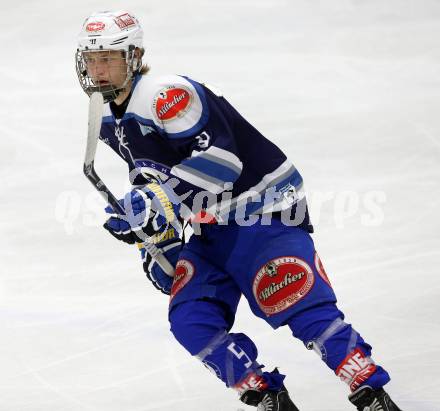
column 349, row 88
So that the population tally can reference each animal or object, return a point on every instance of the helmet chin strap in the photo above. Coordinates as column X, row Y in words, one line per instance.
column 109, row 92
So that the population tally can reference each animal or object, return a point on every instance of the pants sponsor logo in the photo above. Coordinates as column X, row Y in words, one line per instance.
column 281, row 283
column 184, row 272
column 355, row 369
column 320, row 268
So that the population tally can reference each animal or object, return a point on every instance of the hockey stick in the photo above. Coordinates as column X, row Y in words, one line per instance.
column 94, row 129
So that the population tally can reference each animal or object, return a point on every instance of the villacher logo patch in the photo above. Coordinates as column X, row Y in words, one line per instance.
column 320, row 268
column 281, row 283
column 172, row 102
column 184, row 272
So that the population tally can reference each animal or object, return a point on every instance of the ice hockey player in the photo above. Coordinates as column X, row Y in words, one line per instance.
column 189, row 152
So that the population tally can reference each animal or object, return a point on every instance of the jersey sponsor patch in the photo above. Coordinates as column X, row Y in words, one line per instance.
column 95, row 26
column 183, row 273
column 355, row 369
column 172, row 102
column 281, row 283
column 320, row 268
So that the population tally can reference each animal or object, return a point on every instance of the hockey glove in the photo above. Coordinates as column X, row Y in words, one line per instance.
column 149, row 211
column 171, row 249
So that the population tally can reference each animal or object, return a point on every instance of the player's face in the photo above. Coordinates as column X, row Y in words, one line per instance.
column 106, row 67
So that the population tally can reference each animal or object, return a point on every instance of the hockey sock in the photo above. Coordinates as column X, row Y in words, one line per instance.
column 341, row 347
column 201, row 327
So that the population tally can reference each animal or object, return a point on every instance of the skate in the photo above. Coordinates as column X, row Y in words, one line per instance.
column 367, row 399
column 269, row 400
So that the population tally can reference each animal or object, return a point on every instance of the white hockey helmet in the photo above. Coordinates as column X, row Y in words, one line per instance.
column 107, row 31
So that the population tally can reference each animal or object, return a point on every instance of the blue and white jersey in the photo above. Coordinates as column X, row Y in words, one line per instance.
column 183, row 133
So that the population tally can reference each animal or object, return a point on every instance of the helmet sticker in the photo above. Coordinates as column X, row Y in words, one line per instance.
column 95, row 26
column 124, row 21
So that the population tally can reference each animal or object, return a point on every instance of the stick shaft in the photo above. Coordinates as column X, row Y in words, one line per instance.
column 94, row 129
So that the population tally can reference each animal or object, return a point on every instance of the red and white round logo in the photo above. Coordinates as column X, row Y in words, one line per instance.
column 281, row 283
column 172, row 102
column 95, row 26
column 320, row 268
column 183, row 273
